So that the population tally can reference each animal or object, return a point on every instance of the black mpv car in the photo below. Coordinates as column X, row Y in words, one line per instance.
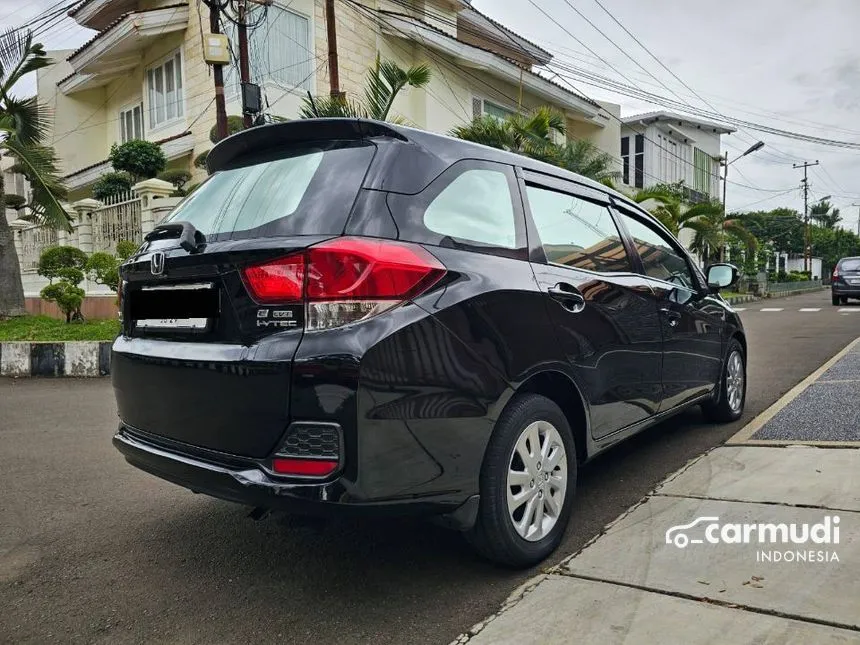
column 357, row 317
column 845, row 281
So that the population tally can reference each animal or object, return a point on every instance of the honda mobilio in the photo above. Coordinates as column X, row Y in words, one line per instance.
column 355, row 317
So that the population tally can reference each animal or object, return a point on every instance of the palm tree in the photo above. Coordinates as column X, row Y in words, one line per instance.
column 533, row 135
column 385, row 80
column 711, row 228
column 823, row 215
column 528, row 134
column 22, row 127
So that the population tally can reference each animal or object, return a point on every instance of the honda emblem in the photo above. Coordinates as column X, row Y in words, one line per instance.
column 156, row 263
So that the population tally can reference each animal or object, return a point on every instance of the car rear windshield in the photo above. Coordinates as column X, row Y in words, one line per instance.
column 850, row 265
column 306, row 191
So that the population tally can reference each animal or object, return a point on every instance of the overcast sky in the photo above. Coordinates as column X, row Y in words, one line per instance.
column 794, row 68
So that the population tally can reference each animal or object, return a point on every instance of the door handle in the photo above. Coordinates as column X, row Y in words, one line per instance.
column 673, row 316
column 568, row 297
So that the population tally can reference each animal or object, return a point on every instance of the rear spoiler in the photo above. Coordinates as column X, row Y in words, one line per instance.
column 266, row 137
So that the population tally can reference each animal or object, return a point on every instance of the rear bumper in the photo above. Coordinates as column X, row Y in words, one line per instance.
column 243, row 482
column 851, row 290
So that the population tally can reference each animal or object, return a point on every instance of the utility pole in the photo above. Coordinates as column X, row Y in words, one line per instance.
column 331, row 36
column 244, row 65
column 858, row 218
column 807, row 245
column 218, row 75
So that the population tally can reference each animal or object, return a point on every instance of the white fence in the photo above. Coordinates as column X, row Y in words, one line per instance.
column 119, row 219
column 34, row 240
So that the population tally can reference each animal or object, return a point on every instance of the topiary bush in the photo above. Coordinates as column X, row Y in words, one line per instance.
column 234, row 124
column 112, row 183
column 176, row 177
column 141, row 159
column 15, row 202
column 200, row 160
column 66, row 265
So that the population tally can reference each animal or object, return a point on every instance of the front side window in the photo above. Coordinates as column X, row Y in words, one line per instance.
column 279, row 49
column 131, row 124
column 576, row 232
column 658, row 254
column 475, row 207
column 164, row 91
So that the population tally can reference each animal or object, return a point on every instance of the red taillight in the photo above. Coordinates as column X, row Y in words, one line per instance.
column 346, row 279
column 280, row 281
column 304, row 467
column 363, row 269
column 835, row 273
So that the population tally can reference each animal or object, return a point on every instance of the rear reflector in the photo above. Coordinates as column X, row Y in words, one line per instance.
column 281, row 281
column 304, row 467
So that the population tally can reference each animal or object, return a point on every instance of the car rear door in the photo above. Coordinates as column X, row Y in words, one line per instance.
column 691, row 318
column 202, row 360
column 604, row 311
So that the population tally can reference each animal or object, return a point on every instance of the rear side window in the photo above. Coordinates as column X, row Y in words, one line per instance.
column 470, row 206
column 576, row 232
column 475, row 206
column 306, row 191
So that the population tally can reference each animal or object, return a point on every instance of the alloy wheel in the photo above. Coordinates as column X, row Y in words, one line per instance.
column 735, row 381
column 537, row 480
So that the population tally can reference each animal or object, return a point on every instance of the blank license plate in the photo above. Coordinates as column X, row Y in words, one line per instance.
column 853, row 280
column 173, row 323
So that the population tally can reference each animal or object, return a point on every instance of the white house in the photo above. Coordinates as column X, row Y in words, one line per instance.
column 666, row 148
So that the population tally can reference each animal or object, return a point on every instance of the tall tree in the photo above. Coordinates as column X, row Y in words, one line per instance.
column 22, row 128
column 385, row 80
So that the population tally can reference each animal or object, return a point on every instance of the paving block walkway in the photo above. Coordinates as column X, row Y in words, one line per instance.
column 770, row 550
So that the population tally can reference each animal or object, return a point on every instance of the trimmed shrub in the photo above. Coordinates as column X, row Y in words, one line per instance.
column 112, row 183
column 141, row 159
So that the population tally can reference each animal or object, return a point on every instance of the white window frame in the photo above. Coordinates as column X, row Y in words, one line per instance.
column 497, row 104
column 150, row 115
column 129, row 108
column 232, row 84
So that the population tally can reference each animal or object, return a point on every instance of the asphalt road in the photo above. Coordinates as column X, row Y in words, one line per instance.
column 92, row 550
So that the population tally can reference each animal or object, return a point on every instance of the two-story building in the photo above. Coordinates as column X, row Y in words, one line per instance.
column 667, row 148
column 142, row 74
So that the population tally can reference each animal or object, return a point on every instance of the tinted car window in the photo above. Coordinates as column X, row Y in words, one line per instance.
column 305, row 191
column 849, row 265
column 476, row 206
column 658, row 254
column 470, row 206
column 576, row 232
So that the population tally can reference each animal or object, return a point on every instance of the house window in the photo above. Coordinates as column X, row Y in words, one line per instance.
column 702, row 164
column 625, row 160
column 131, row 124
column 669, row 161
column 279, row 50
column 164, row 88
column 639, row 162
column 497, row 111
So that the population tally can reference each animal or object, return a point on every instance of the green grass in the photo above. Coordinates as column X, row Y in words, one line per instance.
column 731, row 294
column 36, row 328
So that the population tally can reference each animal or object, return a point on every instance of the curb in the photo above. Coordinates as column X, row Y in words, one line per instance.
column 72, row 358
column 738, row 300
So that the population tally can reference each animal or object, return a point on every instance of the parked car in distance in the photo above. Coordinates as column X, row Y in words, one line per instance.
column 845, row 281
column 355, row 317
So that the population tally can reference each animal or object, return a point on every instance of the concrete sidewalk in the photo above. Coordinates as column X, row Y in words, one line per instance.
column 692, row 563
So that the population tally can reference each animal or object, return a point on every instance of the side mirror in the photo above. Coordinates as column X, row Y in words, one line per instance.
column 721, row 276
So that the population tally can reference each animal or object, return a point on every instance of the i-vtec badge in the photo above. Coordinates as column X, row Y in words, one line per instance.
column 281, row 318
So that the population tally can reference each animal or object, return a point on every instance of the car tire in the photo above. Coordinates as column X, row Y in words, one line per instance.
column 835, row 300
column 726, row 406
column 507, row 536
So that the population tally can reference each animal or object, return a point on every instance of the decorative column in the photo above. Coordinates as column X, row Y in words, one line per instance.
column 152, row 192
column 18, row 227
column 85, row 208
column 71, row 236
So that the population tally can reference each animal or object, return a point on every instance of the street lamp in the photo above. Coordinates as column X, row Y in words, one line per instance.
column 758, row 145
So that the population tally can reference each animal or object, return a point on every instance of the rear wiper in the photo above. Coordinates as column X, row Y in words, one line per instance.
column 190, row 238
